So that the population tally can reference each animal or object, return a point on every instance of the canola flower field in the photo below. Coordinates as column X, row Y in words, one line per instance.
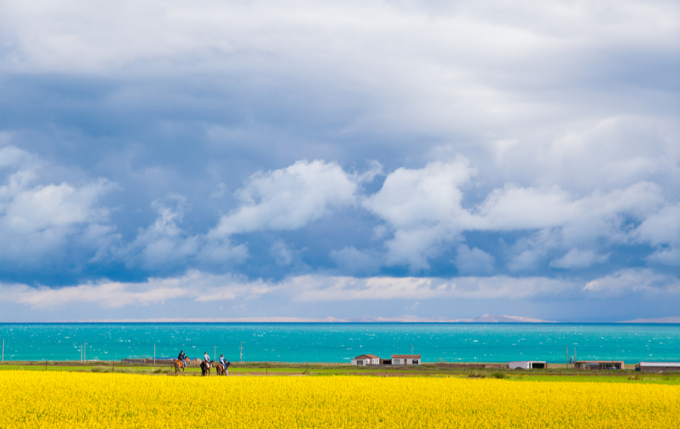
column 83, row 400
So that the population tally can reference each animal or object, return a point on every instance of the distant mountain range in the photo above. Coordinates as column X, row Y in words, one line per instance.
column 675, row 319
column 484, row 318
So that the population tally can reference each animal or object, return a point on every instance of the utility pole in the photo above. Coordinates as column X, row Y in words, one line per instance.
column 411, row 348
column 154, row 354
column 214, row 352
column 3, row 351
column 567, row 356
column 241, row 351
column 85, row 351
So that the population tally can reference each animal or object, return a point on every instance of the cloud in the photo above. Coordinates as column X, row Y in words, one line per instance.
column 164, row 242
column 194, row 285
column 11, row 156
column 282, row 253
column 512, row 208
column 351, row 260
column 576, row 258
column 669, row 256
column 662, row 230
column 40, row 220
column 317, row 288
column 473, row 261
column 422, row 207
column 630, row 280
column 544, row 135
column 288, row 198
column 200, row 293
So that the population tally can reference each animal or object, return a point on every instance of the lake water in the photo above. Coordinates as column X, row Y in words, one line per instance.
column 306, row 342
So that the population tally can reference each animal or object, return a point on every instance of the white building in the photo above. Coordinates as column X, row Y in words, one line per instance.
column 364, row 360
column 527, row 364
column 406, row 359
column 659, row 366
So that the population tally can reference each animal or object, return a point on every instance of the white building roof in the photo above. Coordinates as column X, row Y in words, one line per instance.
column 673, row 364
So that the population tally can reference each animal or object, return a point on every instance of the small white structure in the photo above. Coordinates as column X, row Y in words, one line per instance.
column 659, row 366
column 527, row 364
column 406, row 359
column 364, row 360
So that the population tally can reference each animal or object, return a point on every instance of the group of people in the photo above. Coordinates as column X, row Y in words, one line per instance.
column 206, row 359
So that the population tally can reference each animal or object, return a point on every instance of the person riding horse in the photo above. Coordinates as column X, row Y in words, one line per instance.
column 183, row 357
column 206, row 362
column 225, row 365
column 223, row 361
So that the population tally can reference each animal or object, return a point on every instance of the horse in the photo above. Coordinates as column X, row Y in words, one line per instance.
column 205, row 368
column 219, row 368
column 179, row 364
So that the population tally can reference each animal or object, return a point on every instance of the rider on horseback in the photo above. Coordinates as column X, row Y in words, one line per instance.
column 182, row 357
column 206, row 359
column 223, row 361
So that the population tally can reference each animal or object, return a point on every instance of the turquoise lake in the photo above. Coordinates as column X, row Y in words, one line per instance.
column 319, row 342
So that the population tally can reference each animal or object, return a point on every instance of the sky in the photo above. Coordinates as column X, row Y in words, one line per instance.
column 312, row 159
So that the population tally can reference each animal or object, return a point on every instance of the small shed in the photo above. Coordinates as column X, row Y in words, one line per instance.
column 528, row 364
column 364, row 360
column 406, row 359
column 659, row 366
column 599, row 364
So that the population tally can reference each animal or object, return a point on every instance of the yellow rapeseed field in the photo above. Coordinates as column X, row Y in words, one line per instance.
column 82, row 400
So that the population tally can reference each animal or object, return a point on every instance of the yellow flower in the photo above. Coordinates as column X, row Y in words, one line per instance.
column 82, row 400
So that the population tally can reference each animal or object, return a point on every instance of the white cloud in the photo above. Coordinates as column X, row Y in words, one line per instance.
column 351, row 260
column 422, row 207
column 627, row 281
column 662, row 227
column 11, row 156
column 201, row 287
column 669, row 256
column 512, row 208
column 528, row 252
column 473, row 261
column 218, row 251
column 318, row 288
column 288, row 198
column 39, row 220
column 164, row 242
column 576, row 258
column 195, row 285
